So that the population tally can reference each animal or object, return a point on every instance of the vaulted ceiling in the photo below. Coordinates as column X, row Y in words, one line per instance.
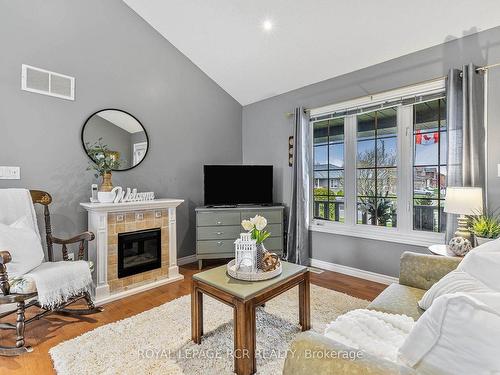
column 308, row 41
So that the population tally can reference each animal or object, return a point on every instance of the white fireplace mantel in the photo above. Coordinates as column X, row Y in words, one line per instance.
column 98, row 249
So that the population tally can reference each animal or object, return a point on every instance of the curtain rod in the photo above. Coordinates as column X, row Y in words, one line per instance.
column 480, row 69
column 486, row 67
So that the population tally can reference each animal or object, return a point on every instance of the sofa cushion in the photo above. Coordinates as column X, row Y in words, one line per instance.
column 458, row 334
column 399, row 299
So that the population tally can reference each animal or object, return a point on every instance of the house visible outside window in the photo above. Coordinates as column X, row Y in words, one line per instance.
column 379, row 166
column 429, row 165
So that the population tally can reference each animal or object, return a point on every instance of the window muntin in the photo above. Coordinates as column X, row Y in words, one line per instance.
column 328, row 169
column 429, row 165
column 376, row 170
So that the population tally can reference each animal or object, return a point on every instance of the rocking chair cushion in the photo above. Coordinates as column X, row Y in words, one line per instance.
column 26, row 284
column 24, row 245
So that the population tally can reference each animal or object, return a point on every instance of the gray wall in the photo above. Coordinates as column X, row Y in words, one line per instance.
column 119, row 61
column 116, row 138
column 266, row 130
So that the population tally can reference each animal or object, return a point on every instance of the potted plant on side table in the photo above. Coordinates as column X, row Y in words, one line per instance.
column 485, row 226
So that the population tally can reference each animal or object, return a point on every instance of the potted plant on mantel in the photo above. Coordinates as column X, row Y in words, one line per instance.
column 104, row 161
column 485, row 226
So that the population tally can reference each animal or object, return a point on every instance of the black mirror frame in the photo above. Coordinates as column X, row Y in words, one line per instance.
column 120, row 110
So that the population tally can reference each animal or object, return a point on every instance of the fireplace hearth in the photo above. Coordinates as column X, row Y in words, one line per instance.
column 139, row 251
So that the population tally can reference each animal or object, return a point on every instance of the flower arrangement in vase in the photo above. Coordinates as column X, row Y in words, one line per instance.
column 255, row 226
column 103, row 162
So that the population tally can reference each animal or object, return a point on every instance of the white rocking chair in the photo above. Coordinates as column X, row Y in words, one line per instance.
column 25, row 296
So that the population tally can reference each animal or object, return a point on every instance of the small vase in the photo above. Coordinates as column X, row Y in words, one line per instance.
column 260, row 254
column 106, row 184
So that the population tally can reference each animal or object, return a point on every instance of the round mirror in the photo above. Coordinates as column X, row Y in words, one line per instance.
column 118, row 134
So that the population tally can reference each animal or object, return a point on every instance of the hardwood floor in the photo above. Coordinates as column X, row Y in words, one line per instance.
column 50, row 331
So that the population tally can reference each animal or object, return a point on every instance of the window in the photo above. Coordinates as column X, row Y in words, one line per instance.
column 379, row 166
column 376, row 167
column 429, row 165
column 328, row 169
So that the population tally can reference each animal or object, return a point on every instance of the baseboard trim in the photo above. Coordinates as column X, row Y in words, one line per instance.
column 356, row 272
column 186, row 260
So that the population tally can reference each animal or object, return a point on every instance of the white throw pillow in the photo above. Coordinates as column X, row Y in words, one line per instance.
column 23, row 244
column 483, row 263
column 459, row 334
column 454, row 282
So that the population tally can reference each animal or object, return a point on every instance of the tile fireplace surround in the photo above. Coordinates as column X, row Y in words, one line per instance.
column 106, row 221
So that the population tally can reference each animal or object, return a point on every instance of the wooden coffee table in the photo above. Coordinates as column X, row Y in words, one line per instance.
column 244, row 297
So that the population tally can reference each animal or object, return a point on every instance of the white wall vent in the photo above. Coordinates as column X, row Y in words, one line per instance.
column 46, row 82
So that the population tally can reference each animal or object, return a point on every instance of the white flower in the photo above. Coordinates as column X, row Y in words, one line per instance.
column 247, row 225
column 260, row 222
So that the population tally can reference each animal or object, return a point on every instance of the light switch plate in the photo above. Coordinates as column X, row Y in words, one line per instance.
column 10, row 173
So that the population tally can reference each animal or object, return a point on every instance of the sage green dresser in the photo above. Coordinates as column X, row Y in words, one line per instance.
column 218, row 228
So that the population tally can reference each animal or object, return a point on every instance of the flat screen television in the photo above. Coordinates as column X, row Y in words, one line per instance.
column 238, row 184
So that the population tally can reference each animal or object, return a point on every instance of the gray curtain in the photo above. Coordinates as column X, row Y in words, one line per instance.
column 298, row 217
column 466, row 133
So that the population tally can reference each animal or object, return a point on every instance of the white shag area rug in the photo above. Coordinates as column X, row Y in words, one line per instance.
column 158, row 341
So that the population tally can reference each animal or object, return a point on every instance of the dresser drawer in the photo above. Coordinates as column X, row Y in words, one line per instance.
column 215, row 247
column 272, row 216
column 230, row 232
column 206, row 219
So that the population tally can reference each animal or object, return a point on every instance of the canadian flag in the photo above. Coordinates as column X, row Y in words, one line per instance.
column 427, row 138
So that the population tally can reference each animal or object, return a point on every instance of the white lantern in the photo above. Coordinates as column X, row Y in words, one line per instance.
column 245, row 249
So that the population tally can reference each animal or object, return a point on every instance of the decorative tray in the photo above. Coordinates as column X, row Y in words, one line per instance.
column 252, row 276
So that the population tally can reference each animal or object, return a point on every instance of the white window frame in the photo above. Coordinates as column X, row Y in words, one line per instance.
column 404, row 232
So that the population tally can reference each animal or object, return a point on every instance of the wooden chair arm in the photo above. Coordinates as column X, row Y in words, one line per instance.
column 85, row 236
column 5, row 258
column 81, row 238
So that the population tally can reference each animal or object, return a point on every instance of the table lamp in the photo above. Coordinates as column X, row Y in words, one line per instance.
column 463, row 201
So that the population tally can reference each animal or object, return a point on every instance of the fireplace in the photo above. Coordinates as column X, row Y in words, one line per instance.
column 139, row 251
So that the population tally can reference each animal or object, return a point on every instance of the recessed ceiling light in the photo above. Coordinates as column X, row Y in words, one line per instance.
column 267, row 25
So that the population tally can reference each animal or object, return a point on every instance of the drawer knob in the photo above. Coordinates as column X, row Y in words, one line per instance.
column 219, row 223
column 219, row 233
column 219, row 243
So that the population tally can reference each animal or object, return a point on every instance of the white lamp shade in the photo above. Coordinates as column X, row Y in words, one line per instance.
column 464, row 200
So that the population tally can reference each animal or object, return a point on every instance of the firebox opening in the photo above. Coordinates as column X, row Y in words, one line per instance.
column 139, row 251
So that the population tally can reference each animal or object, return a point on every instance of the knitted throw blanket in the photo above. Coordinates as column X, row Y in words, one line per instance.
column 375, row 332
column 56, row 282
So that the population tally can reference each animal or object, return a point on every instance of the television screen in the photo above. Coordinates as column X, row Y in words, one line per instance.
column 238, row 184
